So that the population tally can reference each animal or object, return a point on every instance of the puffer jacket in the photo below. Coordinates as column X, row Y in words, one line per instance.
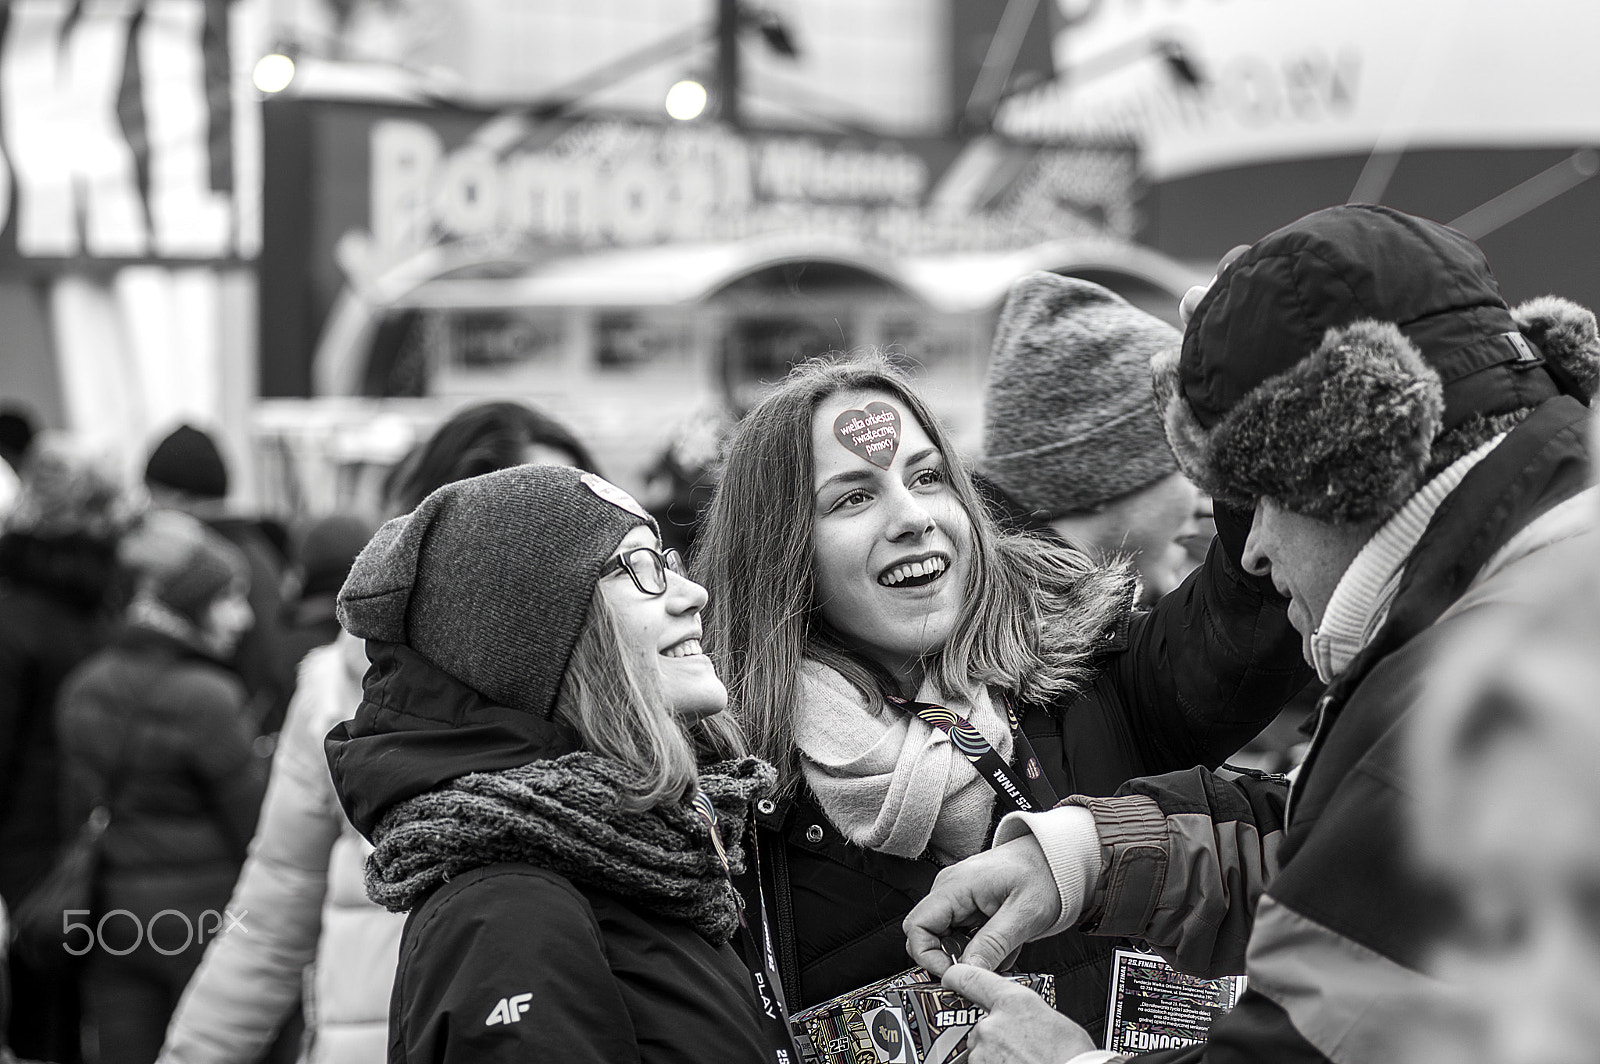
column 304, row 888
column 513, row 962
column 1324, row 909
column 159, row 731
column 1185, row 684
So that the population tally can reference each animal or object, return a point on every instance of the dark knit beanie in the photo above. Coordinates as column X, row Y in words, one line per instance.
column 1068, row 423
column 490, row 578
column 181, row 563
column 188, row 461
column 1328, row 361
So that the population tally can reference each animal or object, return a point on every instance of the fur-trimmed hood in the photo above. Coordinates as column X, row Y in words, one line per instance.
column 1337, row 363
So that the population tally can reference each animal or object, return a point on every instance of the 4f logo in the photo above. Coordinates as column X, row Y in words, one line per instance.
column 510, row 1009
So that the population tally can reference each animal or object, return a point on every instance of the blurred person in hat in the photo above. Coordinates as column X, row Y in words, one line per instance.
column 1071, row 442
column 1415, row 452
column 305, row 873
column 1074, row 448
column 154, row 728
column 186, row 471
column 59, row 594
column 321, row 554
column 555, row 793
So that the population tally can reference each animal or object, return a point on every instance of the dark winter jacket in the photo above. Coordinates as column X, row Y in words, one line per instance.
column 52, row 616
column 1185, row 684
column 510, row 961
column 1337, row 919
column 516, row 963
column 164, row 727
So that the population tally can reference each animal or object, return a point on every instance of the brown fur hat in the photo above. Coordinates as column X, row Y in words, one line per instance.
column 1340, row 360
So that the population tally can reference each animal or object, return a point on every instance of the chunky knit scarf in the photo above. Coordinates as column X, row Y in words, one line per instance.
column 890, row 781
column 566, row 815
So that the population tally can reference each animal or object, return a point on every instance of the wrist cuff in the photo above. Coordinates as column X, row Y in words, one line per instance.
column 1071, row 847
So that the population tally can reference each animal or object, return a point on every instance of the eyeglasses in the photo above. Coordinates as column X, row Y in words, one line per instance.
column 646, row 567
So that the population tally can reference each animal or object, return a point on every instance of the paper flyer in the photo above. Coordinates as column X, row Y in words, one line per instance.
column 1155, row 1006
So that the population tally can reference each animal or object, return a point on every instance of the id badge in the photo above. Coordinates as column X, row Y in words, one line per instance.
column 1155, row 1006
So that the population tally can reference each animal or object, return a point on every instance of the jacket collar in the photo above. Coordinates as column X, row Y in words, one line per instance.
column 418, row 727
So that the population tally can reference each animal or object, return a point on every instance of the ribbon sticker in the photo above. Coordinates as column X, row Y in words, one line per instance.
column 873, row 433
column 614, row 495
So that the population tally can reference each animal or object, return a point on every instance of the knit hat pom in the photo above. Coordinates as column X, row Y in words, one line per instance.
column 1566, row 335
column 1344, row 435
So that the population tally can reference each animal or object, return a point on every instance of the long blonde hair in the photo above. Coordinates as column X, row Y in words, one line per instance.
column 1035, row 614
column 621, row 715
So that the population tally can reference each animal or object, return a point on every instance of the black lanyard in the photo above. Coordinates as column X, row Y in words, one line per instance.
column 755, row 942
column 1024, row 796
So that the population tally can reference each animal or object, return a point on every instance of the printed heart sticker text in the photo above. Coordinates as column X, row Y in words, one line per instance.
column 873, row 433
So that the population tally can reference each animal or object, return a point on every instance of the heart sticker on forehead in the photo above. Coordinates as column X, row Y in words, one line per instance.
column 873, row 433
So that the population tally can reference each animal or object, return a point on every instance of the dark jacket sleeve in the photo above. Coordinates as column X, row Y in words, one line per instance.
column 222, row 753
column 1213, row 662
column 1185, row 858
column 510, row 967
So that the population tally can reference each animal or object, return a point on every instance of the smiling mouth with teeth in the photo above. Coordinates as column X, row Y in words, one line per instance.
column 914, row 574
column 685, row 649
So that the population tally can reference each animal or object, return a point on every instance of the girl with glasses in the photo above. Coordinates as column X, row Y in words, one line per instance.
column 542, row 761
column 913, row 673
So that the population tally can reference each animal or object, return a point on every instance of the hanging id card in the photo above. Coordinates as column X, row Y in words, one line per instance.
column 1155, row 1006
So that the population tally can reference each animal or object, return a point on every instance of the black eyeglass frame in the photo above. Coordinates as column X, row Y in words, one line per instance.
column 662, row 563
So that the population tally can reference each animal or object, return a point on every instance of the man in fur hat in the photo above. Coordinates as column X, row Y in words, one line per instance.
column 1413, row 449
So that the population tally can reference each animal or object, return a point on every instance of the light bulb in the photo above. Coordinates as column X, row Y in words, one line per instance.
column 686, row 100
column 273, row 72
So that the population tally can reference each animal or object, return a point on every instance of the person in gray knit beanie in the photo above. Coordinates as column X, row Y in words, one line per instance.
column 537, row 538
column 1071, row 440
column 541, row 735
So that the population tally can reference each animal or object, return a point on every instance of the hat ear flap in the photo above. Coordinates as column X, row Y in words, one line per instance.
column 1566, row 335
column 376, row 596
column 1345, row 435
column 1190, row 442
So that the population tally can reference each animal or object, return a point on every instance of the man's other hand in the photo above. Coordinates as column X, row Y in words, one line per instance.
column 1020, row 1028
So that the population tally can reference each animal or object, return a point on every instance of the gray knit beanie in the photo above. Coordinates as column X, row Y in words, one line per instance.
column 1068, row 420
column 181, row 563
column 490, row 578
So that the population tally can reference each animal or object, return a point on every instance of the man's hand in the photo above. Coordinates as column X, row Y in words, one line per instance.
column 1011, row 885
column 1020, row 1028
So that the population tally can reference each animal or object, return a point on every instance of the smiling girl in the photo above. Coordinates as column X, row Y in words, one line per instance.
column 913, row 673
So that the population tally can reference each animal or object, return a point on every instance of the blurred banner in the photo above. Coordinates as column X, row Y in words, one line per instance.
column 1319, row 77
column 1250, row 113
column 129, row 211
